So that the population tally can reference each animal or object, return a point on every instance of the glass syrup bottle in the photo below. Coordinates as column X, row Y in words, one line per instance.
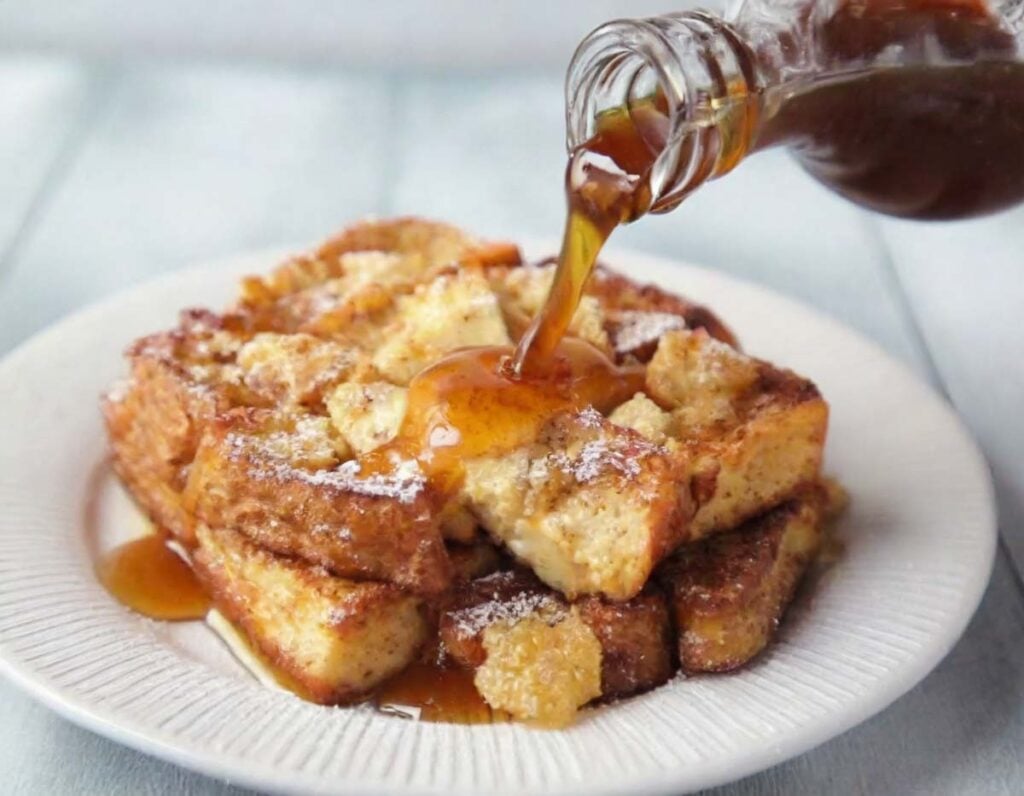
column 913, row 108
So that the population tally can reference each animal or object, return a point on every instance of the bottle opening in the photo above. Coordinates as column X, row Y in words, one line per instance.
column 680, row 85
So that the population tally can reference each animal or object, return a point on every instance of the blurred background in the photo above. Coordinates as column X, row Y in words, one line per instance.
column 141, row 137
column 385, row 34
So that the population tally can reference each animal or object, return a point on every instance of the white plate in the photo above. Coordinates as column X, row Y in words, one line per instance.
column 919, row 543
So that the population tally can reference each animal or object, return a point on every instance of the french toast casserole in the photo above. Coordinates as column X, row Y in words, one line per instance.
column 593, row 554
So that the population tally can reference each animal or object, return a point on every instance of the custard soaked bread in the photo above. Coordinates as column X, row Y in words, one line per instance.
column 593, row 504
column 273, row 441
column 615, row 314
column 331, row 639
column 712, row 607
column 348, row 288
column 345, row 293
column 590, row 506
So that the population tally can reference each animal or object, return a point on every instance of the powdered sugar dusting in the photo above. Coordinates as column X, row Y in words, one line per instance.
column 506, row 608
column 403, row 483
column 591, row 418
column 596, row 457
column 639, row 328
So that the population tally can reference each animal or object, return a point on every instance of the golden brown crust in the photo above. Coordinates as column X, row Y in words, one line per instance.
column 363, row 526
column 439, row 243
column 750, row 433
column 503, row 595
column 635, row 641
column 331, row 639
column 728, row 593
column 179, row 382
column 301, row 294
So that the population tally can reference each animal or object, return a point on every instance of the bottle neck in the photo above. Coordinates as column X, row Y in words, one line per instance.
column 699, row 75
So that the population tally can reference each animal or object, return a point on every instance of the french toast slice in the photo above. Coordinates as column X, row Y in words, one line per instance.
column 591, row 507
column 526, row 641
column 183, row 378
column 277, row 478
column 334, row 639
column 751, row 433
column 729, row 437
column 728, row 593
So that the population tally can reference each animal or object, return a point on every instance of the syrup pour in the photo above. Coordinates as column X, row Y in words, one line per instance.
column 606, row 184
column 151, row 579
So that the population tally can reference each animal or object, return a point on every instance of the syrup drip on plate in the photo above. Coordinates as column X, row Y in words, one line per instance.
column 150, row 578
column 436, row 693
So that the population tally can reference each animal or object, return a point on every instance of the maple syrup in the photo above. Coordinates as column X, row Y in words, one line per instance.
column 938, row 136
column 438, row 693
column 472, row 403
column 606, row 184
column 943, row 139
column 924, row 143
column 151, row 579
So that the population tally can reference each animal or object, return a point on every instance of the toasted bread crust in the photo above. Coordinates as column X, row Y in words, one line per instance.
column 156, row 418
column 751, row 434
column 635, row 641
column 292, row 297
column 334, row 639
column 383, row 528
column 626, row 302
column 728, row 593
